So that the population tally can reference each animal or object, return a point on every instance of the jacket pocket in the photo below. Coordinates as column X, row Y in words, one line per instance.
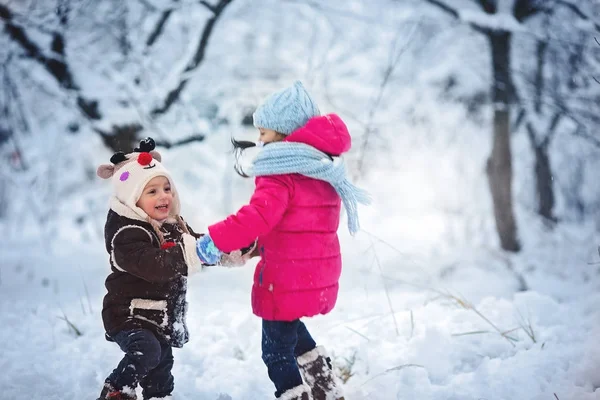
column 153, row 311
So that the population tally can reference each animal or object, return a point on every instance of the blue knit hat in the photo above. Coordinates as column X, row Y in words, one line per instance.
column 286, row 110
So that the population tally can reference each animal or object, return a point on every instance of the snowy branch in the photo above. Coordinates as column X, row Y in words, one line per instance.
column 524, row 9
column 124, row 137
column 581, row 132
column 458, row 15
column 488, row 19
column 394, row 60
column 57, row 68
column 444, row 7
column 198, row 57
column 160, row 25
column 148, row 5
column 489, row 6
column 168, row 145
column 212, row 8
column 596, row 39
column 578, row 11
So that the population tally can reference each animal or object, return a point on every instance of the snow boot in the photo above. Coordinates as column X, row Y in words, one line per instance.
column 301, row 392
column 110, row 393
column 317, row 370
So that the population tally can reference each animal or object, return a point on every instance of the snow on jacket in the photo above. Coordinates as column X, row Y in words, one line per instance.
column 147, row 286
column 295, row 219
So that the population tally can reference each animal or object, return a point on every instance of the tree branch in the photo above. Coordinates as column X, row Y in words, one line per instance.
column 57, row 68
column 168, row 145
column 489, row 6
column 210, row 6
column 393, row 63
column 577, row 11
column 444, row 7
column 531, row 134
column 524, row 9
column 455, row 14
column 148, row 5
column 521, row 116
column 596, row 79
column 158, row 29
column 552, row 129
column 580, row 131
column 198, row 57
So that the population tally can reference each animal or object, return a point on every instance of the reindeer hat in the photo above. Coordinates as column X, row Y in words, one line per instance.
column 130, row 173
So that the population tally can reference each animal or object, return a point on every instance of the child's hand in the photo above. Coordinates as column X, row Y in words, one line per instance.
column 233, row 259
column 238, row 258
column 207, row 251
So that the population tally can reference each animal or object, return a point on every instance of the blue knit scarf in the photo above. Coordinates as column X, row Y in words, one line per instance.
column 299, row 158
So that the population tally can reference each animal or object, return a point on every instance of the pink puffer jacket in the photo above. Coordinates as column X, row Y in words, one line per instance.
column 295, row 219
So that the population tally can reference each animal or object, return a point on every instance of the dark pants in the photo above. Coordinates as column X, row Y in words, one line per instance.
column 282, row 342
column 147, row 361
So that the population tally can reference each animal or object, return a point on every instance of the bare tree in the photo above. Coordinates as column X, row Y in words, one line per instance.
column 68, row 66
column 499, row 165
column 56, row 62
column 500, row 32
column 556, row 91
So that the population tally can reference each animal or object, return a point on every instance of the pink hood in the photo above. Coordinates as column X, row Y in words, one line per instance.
column 327, row 133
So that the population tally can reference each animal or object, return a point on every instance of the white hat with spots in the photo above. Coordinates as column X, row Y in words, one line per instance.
column 129, row 174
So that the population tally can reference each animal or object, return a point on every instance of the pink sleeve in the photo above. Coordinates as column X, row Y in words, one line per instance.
column 266, row 207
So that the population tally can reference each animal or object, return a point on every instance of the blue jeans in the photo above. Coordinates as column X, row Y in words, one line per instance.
column 147, row 361
column 282, row 342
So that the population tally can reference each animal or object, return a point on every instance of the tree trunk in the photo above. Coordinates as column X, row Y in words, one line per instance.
column 543, row 177
column 543, row 173
column 543, row 170
column 499, row 165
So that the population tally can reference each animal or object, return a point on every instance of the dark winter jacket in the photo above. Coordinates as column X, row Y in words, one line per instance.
column 147, row 286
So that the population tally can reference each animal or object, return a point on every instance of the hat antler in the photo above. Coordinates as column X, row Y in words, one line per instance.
column 118, row 157
column 146, row 146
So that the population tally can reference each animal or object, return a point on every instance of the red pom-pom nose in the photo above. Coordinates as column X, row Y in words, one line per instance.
column 145, row 158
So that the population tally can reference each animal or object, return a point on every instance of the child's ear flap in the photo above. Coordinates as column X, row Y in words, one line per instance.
column 105, row 171
column 156, row 155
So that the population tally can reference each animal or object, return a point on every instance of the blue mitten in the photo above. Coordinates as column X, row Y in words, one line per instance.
column 207, row 251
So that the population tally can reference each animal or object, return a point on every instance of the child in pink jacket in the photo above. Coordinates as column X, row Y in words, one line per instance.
column 294, row 215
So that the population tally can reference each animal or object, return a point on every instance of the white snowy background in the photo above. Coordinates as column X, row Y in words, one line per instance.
column 430, row 307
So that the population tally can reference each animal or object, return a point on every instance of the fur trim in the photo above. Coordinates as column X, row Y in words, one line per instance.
column 189, row 252
column 312, row 355
column 145, row 304
column 296, row 393
column 112, row 243
column 125, row 211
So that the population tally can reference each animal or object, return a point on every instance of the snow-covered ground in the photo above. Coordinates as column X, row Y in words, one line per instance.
column 410, row 323
column 429, row 308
